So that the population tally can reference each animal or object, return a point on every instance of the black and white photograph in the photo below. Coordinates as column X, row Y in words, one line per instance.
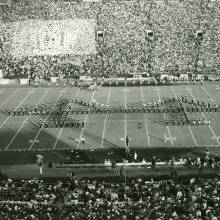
column 109, row 109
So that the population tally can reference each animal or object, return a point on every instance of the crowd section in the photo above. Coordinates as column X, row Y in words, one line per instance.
column 140, row 198
column 137, row 36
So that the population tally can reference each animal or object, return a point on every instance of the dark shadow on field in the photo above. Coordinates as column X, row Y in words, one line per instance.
column 107, row 143
column 22, row 142
column 19, row 153
column 65, row 153
column 118, row 150
column 92, row 156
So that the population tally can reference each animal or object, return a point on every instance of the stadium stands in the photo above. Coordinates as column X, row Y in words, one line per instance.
column 140, row 198
column 153, row 37
column 174, row 45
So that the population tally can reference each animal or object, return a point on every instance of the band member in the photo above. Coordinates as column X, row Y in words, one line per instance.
column 127, row 141
column 40, row 163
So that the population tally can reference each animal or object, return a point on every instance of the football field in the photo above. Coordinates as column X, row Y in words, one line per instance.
column 102, row 131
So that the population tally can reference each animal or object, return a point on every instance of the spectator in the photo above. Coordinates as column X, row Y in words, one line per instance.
column 100, row 199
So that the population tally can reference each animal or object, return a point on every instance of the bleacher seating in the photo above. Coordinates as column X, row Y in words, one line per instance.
column 99, row 198
column 125, row 46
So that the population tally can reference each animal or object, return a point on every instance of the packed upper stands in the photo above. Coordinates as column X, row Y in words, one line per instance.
column 132, row 36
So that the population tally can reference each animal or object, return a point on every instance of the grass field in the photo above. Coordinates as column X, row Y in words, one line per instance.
column 104, row 131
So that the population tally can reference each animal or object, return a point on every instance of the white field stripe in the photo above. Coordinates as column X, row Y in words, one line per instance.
column 61, row 130
column 8, row 98
column 85, row 120
column 22, row 125
column 207, row 93
column 213, row 100
column 193, row 137
column 209, row 125
column 145, row 119
column 105, row 120
column 62, row 91
column 168, row 129
column 125, row 117
column 29, row 92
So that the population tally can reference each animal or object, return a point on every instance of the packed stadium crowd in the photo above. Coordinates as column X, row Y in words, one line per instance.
column 153, row 37
column 140, row 198
column 133, row 38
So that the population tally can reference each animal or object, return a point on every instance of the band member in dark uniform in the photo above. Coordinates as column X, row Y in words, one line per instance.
column 127, row 141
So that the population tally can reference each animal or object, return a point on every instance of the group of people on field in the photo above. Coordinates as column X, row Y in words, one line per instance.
column 57, row 113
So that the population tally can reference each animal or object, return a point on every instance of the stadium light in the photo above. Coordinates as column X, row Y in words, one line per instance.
column 199, row 34
column 150, row 33
column 100, row 34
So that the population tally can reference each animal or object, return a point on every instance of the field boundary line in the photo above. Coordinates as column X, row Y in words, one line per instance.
column 35, row 138
column 61, row 130
column 193, row 137
column 85, row 120
column 8, row 98
column 11, row 141
column 105, row 120
column 87, row 149
column 213, row 100
column 168, row 129
column 20, row 103
column 210, row 127
column 145, row 119
column 125, row 128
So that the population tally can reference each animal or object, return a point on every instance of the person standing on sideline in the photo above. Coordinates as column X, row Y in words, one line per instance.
column 135, row 157
column 40, row 163
column 82, row 141
column 153, row 162
column 121, row 171
column 127, row 141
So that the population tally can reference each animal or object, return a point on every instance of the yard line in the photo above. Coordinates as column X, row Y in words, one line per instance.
column 62, row 91
column 217, row 138
column 193, row 137
column 204, row 116
column 85, row 119
column 125, row 117
column 25, row 121
column 29, row 92
column 145, row 118
column 61, row 130
column 105, row 120
column 207, row 93
column 8, row 98
column 168, row 129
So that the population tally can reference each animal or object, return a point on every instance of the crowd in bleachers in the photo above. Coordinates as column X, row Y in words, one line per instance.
column 140, row 198
column 172, row 46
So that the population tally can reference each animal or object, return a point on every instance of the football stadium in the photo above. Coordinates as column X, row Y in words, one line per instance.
column 110, row 109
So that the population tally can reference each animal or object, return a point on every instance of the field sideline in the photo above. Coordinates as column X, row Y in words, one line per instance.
column 106, row 130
